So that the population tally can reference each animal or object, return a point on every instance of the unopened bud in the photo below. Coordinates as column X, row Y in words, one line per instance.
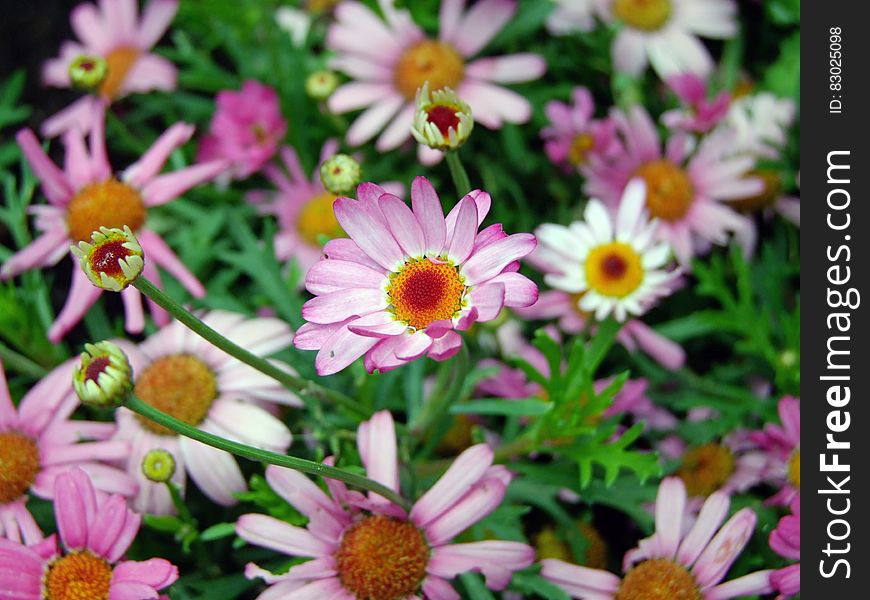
column 321, row 84
column 88, row 71
column 340, row 174
column 443, row 120
column 113, row 259
column 104, row 377
column 158, row 465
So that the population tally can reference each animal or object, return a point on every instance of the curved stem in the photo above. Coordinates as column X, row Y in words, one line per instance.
column 457, row 172
column 263, row 456
column 292, row 382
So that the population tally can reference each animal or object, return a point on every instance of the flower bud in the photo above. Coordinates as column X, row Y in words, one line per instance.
column 443, row 120
column 340, row 174
column 321, row 84
column 113, row 260
column 104, row 378
column 88, row 71
column 158, row 465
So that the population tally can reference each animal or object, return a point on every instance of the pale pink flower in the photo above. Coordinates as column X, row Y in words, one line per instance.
column 697, row 113
column 96, row 530
column 760, row 123
column 687, row 191
column 782, row 444
column 408, row 278
column 690, row 562
column 785, row 540
column 302, row 207
column 367, row 547
column 183, row 375
column 390, row 59
column 86, row 195
column 570, row 16
column 246, row 129
column 115, row 32
column 39, row 440
column 664, row 34
column 573, row 135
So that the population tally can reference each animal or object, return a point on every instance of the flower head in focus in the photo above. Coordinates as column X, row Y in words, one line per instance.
column 408, row 278
column 367, row 547
column 340, row 174
column 104, row 377
column 112, row 260
column 443, row 120
column 96, row 530
column 114, row 33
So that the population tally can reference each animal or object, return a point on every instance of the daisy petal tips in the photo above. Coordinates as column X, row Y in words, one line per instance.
column 113, row 260
column 408, row 279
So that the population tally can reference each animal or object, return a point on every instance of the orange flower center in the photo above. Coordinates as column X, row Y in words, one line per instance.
column 580, row 147
column 794, row 468
column 77, row 576
column 19, row 464
column 317, row 220
column 614, row 269
column 382, row 558
column 423, row 292
column 658, row 579
column 669, row 193
column 706, row 468
column 436, row 62
column 767, row 196
column 647, row 15
column 109, row 203
column 119, row 62
column 180, row 385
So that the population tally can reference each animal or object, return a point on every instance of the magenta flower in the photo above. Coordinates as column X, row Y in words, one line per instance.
column 39, row 440
column 114, row 32
column 697, row 114
column 246, row 129
column 687, row 192
column 390, row 59
column 368, row 547
column 181, row 374
column 574, row 135
column 408, row 278
column 785, row 540
column 96, row 531
column 673, row 563
column 782, row 444
column 86, row 195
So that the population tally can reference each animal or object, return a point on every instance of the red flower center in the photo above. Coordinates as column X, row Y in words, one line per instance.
column 19, row 464
column 444, row 117
column 423, row 292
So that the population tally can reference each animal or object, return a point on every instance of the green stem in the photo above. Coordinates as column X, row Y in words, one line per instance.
column 442, row 398
column 292, row 382
column 20, row 363
column 263, row 456
column 457, row 172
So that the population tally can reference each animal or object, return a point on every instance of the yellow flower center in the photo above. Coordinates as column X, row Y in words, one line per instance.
column 317, row 220
column 19, row 464
column 580, row 147
column 382, row 558
column 77, row 576
column 320, row 6
column 794, row 468
column 647, row 15
column 614, row 269
column 180, row 385
column 658, row 579
column 436, row 62
column 423, row 292
column 766, row 197
column 669, row 193
column 119, row 61
column 109, row 203
column 706, row 468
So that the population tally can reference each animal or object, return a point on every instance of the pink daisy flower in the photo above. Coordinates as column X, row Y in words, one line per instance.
column 367, row 547
column 570, row 16
column 782, row 443
column 96, row 531
column 673, row 563
column 408, row 278
column 390, row 59
column 573, row 134
column 785, row 540
column 663, row 33
column 39, row 440
column 687, row 192
column 181, row 374
column 246, row 129
column 114, row 32
column 698, row 113
column 86, row 195
column 302, row 207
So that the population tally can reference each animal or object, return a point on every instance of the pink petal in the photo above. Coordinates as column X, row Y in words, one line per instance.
column 398, row 131
column 474, row 506
column 463, row 231
column 712, row 513
column 492, row 105
column 81, row 115
column 250, row 424
column 380, row 325
column 480, row 24
column 413, row 346
column 519, row 290
column 55, row 185
column 435, row 588
column 369, row 233
column 167, row 187
column 628, row 52
column 326, row 517
column 445, row 346
column 8, row 414
column 373, row 119
column 341, row 305
column 427, row 208
column 495, row 559
column 488, row 299
column 513, row 68
column 376, row 441
column 214, row 471
column 134, row 315
column 359, row 94
column 340, row 349
column 158, row 251
column 146, row 168
column 465, row 471
column 271, row 533
column 580, row 582
column 156, row 17
column 491, row 260
column 82, row 296
column 75, row 508
column 156, row 572
column 724, row 549
column 670, row 505
column 41, row 252
column 754, row 584
column 90, row 27
column 150, row 72
column 403, row 225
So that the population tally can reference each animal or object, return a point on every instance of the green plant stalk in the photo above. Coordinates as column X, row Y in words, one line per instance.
column 264, row 456
column 20, row 363
column 292, row 382
column 457, row 172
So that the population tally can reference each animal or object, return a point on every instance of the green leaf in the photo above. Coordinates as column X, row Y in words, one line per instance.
column 525, row 407
column 218, row 531
column 475, row 587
